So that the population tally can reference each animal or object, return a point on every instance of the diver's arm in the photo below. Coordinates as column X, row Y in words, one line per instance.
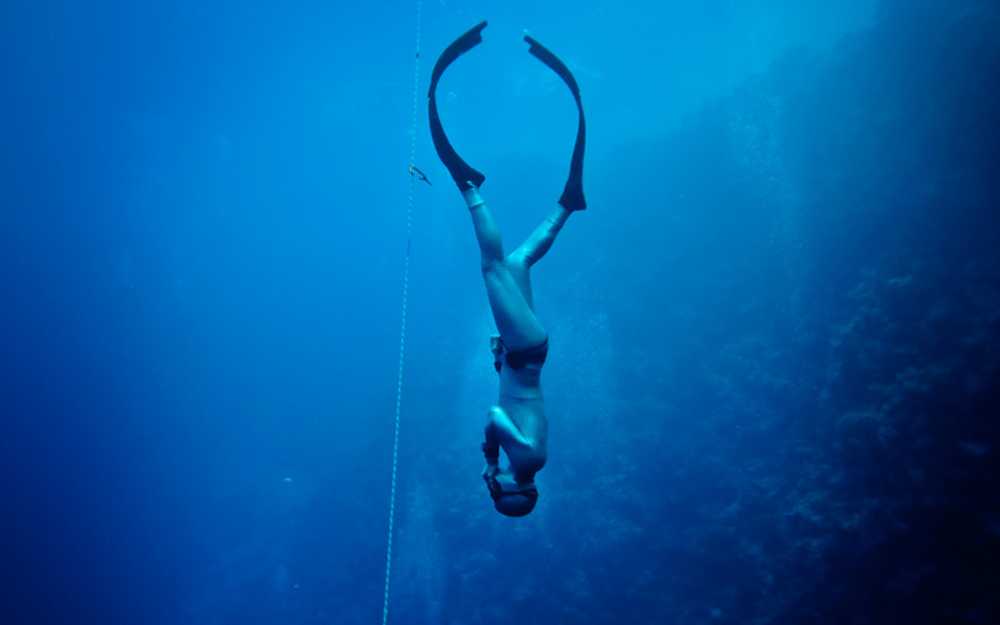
column 487, row 232
column 501, row 432
column 491, row 447
column 532, row 250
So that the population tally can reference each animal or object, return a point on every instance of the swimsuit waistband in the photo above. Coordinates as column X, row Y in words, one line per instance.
column 534, row 355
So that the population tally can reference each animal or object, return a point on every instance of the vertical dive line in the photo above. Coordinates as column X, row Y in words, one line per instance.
column 402, row 323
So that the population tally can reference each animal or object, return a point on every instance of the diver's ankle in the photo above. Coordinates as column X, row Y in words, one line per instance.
column 472, row 197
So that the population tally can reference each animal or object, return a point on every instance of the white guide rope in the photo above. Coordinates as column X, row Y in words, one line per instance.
column 402, row 323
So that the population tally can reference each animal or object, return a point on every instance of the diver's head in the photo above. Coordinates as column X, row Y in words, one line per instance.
column 509, row 497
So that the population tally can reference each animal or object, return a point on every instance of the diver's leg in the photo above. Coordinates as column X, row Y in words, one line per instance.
column 513, row 315
column 532, row 250
column 487, row 232
column 522, row 277
column 541, row 239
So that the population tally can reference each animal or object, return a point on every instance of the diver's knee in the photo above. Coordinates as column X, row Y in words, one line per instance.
column 490, row 265
column 518, row 260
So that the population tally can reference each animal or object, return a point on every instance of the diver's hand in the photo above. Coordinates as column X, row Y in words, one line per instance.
column 490, row 470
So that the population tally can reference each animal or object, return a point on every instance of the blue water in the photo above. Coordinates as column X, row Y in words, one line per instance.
column 772, row 374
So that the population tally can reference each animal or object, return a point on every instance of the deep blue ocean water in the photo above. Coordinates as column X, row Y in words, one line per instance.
column 772, row 379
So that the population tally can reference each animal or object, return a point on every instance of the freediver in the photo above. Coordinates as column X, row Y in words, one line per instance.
column 517, row 423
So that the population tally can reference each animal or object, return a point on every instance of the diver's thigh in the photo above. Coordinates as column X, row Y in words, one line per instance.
column 514, row 318
column 520, row 273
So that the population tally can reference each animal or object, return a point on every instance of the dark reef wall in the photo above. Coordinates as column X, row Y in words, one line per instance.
column 878, row 292
column 903, row 176
column 828, row 371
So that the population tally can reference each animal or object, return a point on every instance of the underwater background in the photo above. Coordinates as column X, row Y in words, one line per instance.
column 773, row 375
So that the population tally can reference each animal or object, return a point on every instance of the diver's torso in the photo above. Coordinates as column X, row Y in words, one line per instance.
column 521, row 399
column 523, row 383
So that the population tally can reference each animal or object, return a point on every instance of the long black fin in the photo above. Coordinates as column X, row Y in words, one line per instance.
column 572, row 196
column 461, row 172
